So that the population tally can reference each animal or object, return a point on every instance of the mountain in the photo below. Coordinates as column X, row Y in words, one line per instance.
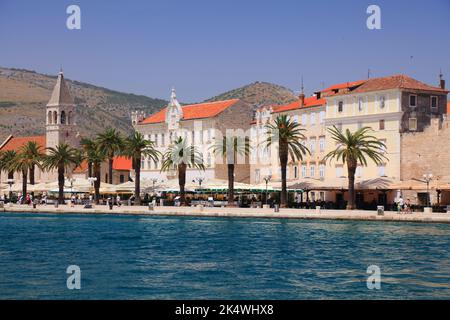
column 24, row 95
column 259, row 93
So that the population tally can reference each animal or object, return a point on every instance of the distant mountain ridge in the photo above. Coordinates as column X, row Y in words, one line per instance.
column 24, row 95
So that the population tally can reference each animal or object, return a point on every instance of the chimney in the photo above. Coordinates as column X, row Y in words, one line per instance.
column 301, row 96
column 441, row 81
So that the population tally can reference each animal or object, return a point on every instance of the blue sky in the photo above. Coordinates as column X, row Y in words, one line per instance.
column 205, row 47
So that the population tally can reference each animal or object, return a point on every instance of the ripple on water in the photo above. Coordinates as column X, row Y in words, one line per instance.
column 184, row 258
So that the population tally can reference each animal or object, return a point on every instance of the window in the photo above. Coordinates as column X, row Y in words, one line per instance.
column 412, row 124
column 382, row 102
column 163, row 140
column 340, row 106
column 312, row 171
column 322, row 144
column 381, row 125
column 304, row 120
column 303, row 171
column 143, row 163
column 360, row 104
column 312, row 145
column 382, row 170
column 359, row 125
column 322, row 117
column 322, row 171
column 339, row 171
column 257, row 176
column 295, row 172
column 434, row 102
column 63, row 117
column 295, row 119
column 122, row 178
column 313, row 119
column 413, row 100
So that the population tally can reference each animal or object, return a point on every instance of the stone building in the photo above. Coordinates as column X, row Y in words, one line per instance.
column 60, row 127
column 201, row 125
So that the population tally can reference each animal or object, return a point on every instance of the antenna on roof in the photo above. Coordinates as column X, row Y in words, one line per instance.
column 440, row 74
column 368, row 73
column 302, row 86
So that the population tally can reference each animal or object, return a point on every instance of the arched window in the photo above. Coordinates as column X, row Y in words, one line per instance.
column 49, row 117
column 70, row 118
column 55, row 117
column 63, row 117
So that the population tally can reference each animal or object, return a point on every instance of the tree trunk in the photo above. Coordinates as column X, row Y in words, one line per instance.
column 137, row 182
column 283, row 163
column 351, row 166
column 32, row 170
column 90, row 169
column 97, row 174
column 24, row 184
column 110, row 170
column 230, row 185
column 61, row 184
column 182, row 182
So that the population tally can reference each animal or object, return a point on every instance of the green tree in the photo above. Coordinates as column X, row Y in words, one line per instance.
column 181, row 156
column 288, row 136
column 94, row 156
column 136, row 147
column 34, row 153
column 111, row 143
column 6, row 158
column 353, row 148
column 229, row 148
column 61, row 158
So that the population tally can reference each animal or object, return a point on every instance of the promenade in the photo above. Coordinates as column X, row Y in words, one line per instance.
column 237, row 213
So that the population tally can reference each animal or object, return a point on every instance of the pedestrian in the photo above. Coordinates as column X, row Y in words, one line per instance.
column 118, row 201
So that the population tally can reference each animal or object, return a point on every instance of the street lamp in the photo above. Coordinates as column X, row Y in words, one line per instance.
column 427, row 178
column 199, row 180
column 266, row 180
column 92, row 180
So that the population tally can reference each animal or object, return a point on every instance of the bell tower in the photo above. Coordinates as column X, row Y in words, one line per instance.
column 60, row 116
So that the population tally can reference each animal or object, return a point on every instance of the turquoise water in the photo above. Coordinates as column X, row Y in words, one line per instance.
column 129, row 257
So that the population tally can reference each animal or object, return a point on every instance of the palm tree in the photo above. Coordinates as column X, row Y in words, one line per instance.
column 230, row 148
column 111, row 143
column 287, row 135
column 34, row 153
column 94, row 156
column 5, row 160
column 136, row 147
column 62, row 158
column 353, row 148
column 181, row 156
column 24, row 163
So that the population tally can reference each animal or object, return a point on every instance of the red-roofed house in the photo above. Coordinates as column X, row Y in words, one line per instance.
column 199, row 124
column 309, row 112
column 61, row 128
column 122, row 168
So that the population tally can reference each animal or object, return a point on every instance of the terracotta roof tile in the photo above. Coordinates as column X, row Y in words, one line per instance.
column 81, row 168
column 15, row 143
column 399, row 81
column 309, row 102
column 194, row 111
column 448, row 107
column 122, row 163
column 344, row 85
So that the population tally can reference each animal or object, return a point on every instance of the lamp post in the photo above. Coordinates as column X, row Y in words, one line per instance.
column 200, row 181
column 266, row 180
column 427, row 178
column 92, row 180
column 10, row 182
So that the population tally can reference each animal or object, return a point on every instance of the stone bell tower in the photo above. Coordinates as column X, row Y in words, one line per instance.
column 60, row 116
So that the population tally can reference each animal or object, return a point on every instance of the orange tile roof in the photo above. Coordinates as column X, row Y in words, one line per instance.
column 194, row 111
column 122, row 163
column 309, row 102
column 83, row 167
column 119, row 163
column 15, row 143
column 399, row 81
column 448, row 107
column 344, row 85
